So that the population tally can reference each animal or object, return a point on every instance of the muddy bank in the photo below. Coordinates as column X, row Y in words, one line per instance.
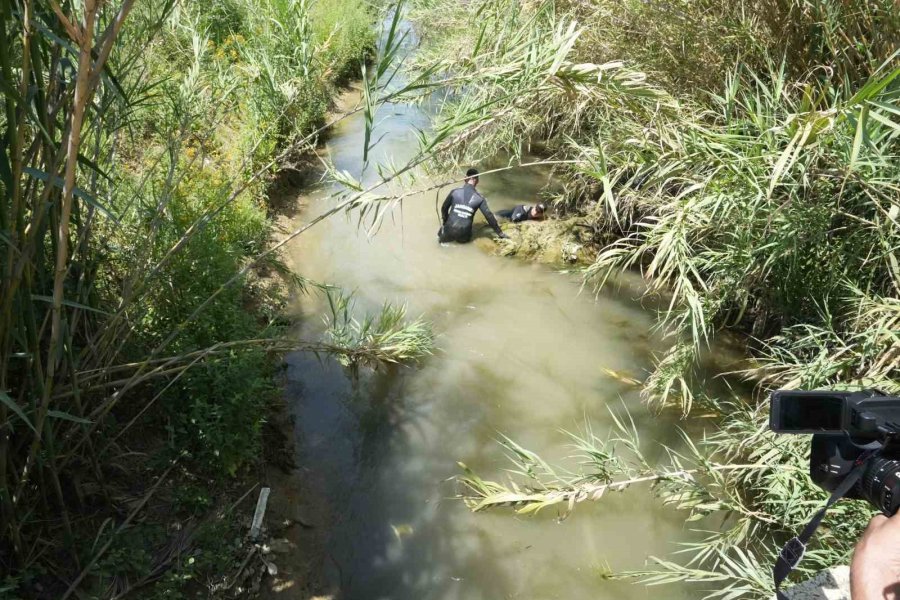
column 554, row 241
column 296, row 527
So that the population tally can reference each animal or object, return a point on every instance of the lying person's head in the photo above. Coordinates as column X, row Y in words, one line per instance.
column 537, row 211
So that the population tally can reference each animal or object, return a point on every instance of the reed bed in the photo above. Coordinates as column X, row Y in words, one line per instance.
column 139, row 338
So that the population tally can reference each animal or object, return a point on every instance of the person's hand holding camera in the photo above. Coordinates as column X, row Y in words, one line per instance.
column 875, row 570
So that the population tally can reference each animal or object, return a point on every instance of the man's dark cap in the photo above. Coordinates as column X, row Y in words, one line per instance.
column 472, row 173
column 541, row 207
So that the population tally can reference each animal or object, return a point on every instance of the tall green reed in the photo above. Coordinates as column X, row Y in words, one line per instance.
column 138, row 144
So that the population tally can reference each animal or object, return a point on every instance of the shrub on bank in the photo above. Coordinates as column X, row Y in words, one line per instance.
column 133, row 353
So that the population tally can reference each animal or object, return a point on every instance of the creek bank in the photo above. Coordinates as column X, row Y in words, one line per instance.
column 296, row 526
column 285, row 561
column 297, row 522
column 143, row 484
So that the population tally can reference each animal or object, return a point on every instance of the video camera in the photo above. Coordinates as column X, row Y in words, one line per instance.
column 849, row 429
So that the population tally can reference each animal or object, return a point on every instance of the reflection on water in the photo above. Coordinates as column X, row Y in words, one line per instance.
column 521, row 352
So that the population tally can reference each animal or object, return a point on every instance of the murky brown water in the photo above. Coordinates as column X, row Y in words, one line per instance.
column 521, row 352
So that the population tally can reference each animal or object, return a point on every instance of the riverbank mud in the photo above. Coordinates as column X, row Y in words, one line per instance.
column 297, row 522
column 554, row 241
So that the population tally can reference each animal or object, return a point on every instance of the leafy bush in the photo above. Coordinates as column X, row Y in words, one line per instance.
column 344, row 31
column 218, row 409
column 133, row 178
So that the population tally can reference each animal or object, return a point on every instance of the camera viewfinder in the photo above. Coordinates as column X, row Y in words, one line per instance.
column 805, row 412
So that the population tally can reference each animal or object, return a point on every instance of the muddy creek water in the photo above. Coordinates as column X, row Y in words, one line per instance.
column 520, row 352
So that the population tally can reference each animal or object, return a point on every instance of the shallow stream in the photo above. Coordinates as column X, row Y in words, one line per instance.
column 522, row 351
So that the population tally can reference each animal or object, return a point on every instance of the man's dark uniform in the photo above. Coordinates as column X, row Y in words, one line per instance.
column 458, row 212
column 518, row 213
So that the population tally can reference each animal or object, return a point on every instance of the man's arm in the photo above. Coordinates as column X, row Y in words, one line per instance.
column 875, row 569
column 445, row 209
column 489, row 216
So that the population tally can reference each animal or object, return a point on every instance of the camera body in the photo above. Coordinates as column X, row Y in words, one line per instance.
column 847, row 427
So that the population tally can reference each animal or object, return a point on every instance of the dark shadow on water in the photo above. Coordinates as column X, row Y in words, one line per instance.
column 361, row 436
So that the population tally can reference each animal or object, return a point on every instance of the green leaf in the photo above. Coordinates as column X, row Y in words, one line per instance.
column 85, row 161
column 873, row 87
column 891, row 108
column 70, row 304
column 55, row 39
column 571, row 36
column 77, row 191
column 885, row 121
column 788, row 157
column 11, row 404
column 368, row 113
column 478, row 42
column 113, row 81
column 58, row 414
column 860, row 135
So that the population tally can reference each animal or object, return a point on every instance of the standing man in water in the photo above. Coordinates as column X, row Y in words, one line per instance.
column 458, row 212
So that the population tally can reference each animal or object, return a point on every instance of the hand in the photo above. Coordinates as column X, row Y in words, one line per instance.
column 875, row 570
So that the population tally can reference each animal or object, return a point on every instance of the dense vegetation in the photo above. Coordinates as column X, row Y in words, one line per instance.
column 745, row 156
column 136, row 328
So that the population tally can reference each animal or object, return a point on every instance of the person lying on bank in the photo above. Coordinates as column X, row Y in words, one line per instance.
column 523, row 212
column 458, row 212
